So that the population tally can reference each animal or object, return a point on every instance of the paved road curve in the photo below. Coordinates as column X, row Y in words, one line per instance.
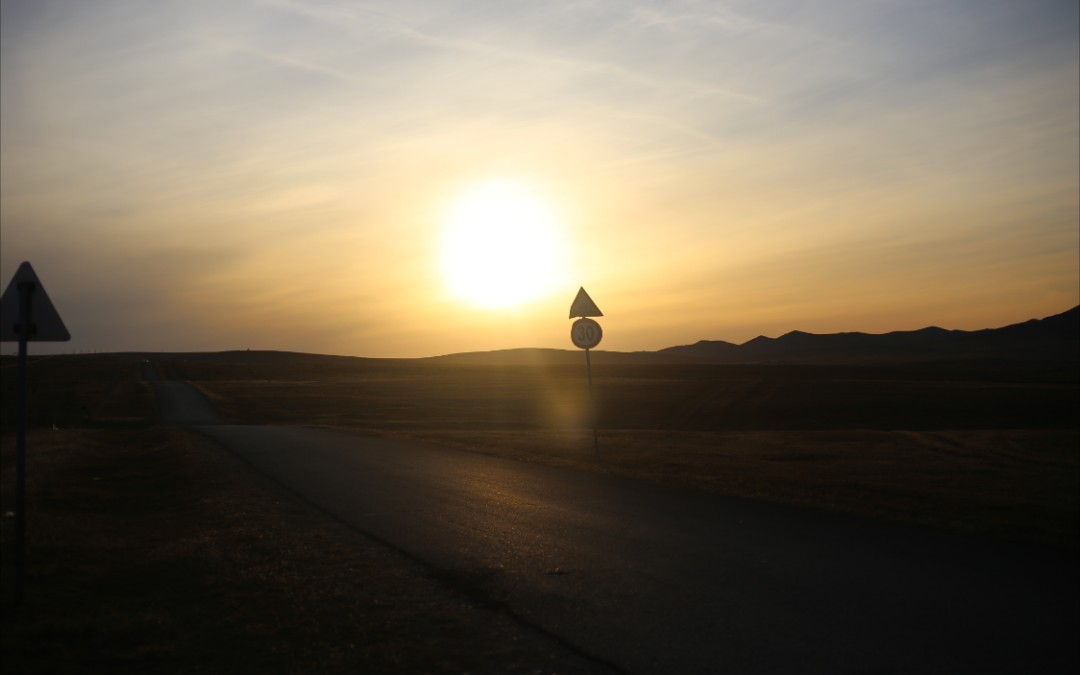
column 662, row 580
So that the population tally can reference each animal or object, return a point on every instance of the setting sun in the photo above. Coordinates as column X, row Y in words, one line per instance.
column 501, row 245
column 184, row 176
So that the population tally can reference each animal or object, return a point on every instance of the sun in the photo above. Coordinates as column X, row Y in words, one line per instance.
column 501, row 245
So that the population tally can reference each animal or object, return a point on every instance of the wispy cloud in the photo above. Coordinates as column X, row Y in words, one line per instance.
column 704, row 150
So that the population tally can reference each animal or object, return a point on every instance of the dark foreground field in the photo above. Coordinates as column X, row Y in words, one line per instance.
column 979, row 448
column 152, row 549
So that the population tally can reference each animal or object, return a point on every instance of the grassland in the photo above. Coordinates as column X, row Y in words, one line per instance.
column 152, row 549
column 988, row 449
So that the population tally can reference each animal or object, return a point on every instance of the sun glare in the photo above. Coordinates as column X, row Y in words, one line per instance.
column 501, row 246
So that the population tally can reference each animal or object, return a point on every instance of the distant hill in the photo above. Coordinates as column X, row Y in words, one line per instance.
column 1054, row 339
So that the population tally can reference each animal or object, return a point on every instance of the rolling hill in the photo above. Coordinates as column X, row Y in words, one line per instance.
column 1054, row 339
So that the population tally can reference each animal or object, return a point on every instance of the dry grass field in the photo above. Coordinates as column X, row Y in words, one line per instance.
column 152, row 549
column 988, row 449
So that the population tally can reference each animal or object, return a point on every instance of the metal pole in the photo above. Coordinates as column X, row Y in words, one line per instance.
column 592, row 404
column 26, row 291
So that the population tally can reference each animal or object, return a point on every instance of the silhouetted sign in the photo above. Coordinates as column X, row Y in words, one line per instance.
column 26, row 315
column 42, row 322
column 586, row 333
column 584, row 306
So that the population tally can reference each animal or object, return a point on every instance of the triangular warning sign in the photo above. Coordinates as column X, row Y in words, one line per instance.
column 44, row 324
column 584, row 306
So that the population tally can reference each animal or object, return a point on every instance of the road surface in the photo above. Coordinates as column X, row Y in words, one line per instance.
column 656, row 579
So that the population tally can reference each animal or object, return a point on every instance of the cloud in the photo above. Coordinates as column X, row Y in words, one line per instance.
column 221, row 165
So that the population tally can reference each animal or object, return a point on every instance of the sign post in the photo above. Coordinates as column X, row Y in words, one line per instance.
column 26, row 314
column 586, row 334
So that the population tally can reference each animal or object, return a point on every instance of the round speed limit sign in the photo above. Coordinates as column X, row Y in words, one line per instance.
column 586, row 333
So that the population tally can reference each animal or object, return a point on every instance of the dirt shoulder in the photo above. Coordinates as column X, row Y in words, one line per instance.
column 154, row 550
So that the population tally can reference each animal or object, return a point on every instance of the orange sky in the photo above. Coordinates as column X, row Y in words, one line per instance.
column 281, row 174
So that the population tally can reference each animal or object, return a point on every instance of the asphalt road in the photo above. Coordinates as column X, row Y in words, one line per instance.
column 663, row 580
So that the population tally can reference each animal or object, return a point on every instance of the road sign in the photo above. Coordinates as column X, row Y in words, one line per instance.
column 26, row 314
column 584, row 306
column 43, row 321
column 586, row 333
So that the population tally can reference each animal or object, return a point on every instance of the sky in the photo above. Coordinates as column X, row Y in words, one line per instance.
column 189, row 175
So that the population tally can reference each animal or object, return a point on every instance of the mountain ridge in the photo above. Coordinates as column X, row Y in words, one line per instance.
column 1053, row 339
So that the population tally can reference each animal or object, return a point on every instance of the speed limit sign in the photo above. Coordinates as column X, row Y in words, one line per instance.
column 586, row 333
